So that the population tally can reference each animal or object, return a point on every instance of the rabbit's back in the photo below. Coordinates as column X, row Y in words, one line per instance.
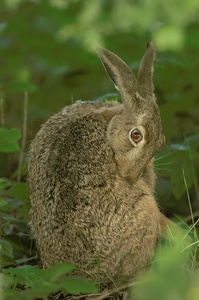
column 92, row 179
column 70, row 150
column 82, row 210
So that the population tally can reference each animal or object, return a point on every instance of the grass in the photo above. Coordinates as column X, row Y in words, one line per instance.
column 171, row 276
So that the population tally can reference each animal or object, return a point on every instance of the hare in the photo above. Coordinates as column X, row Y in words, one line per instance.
column 92, row 179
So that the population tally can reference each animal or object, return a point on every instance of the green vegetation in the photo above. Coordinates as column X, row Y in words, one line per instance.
column 47, row 61
column 172, row 274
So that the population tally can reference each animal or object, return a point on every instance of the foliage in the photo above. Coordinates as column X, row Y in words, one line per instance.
column 170, row 276
column 47, row 51
column 8, row 140
column 38, row 283
column 182, row 157
column 98, row 19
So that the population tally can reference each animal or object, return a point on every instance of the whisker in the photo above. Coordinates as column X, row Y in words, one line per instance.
column 158, row 158
column 162, row 169
column 164, row 164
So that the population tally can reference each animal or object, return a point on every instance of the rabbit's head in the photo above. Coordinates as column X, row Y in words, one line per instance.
column 134, row 134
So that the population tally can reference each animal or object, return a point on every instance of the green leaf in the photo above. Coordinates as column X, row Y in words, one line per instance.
column 19, row 224
column 3, row 203
column 4, row 183
column 59, row 270
column 169, row 37
column 193, row 141
column 6, row 261
column 42, row 282
column 6, row 254
column 78, row 285
column 20, row 86
column 5, row 280
column 168, row 277
column 19, row 190
column 175, row 162
column 6, row 248
column 8, row 140
column 14, row 203
column 108, row 97
column 20, row 276
column 180, row 168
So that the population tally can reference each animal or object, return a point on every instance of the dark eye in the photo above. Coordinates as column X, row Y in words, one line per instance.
column 136, row 135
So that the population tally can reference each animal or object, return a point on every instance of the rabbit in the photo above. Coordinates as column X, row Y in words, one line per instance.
column 92, row 181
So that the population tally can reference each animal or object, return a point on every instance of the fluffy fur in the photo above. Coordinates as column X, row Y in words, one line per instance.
column 91, row 186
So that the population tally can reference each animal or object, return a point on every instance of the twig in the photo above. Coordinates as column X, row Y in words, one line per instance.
column 24, row 132
column 106, row 294
column 2, row 107
column 195, row 214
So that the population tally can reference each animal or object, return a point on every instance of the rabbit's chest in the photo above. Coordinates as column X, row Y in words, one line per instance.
column 118, row 216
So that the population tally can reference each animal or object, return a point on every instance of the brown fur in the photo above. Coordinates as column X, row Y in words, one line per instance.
column 91, row 189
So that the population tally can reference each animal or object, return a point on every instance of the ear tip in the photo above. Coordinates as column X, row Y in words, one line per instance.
column 151, row 45
column 101, row 51
column 97, row 49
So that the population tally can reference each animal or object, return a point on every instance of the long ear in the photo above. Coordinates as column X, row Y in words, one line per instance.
column 145, row 73
column 122, row 77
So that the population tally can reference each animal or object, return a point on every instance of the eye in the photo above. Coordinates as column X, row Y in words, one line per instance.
column 135, row 135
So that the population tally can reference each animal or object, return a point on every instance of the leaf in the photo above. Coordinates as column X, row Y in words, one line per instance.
column 5, row 280
column 42, row 282
column 10, row 294
column 6, row 248
column 34, row 276
column 59, row 270
column 14, row 203
column 6, row 261
column 3, row 203
column 19, row 190
column 24, row 275
column 180, row 168
column 4, row 183
column 168, row 277
column 8, row 140
column 19, row 224
column 6, row 254
column 169, row 37
column 78, row 285
column 108, row 97
column 175, row 162
column 20, row 86
column 193, row 141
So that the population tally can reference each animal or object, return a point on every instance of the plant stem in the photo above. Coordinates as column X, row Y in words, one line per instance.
column 24, row 133
column 2, row 107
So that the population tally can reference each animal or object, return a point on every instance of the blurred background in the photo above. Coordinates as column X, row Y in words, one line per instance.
column 47, row 61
